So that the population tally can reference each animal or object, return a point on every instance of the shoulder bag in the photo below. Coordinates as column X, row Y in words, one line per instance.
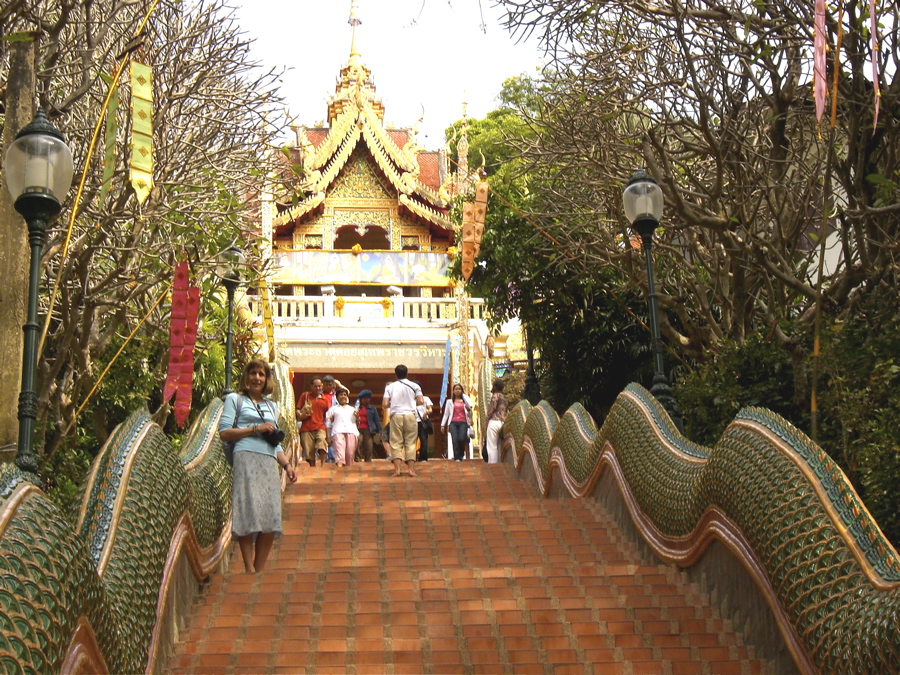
column 427, row 426
column 304, row 412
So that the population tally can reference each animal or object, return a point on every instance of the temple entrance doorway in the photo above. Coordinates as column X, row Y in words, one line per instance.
column 376, row 381
column 369, row 238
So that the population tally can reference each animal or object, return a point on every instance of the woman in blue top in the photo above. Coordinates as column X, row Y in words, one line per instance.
column 256, row 490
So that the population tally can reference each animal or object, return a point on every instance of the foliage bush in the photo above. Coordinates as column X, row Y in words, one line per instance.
column 860, row 404
column 857, row 401
column 755, row 372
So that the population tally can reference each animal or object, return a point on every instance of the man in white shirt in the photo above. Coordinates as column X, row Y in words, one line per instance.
column 399, row 402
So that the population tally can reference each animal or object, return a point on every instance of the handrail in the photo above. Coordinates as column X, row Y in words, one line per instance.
column 291, row 308
column 766, row 492
column 150, row 517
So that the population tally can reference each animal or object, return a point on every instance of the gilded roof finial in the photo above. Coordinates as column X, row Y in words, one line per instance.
column 354, row 21
column 462, row 146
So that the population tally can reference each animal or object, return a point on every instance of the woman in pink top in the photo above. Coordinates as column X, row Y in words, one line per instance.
column 458, row 418
column 341, row 428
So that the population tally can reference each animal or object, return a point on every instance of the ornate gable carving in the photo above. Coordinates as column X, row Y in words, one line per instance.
column 361, row 180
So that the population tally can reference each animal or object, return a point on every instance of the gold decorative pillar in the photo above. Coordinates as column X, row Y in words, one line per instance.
column 462, row 304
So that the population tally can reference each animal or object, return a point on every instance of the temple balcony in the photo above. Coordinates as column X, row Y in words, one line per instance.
column 328, row 311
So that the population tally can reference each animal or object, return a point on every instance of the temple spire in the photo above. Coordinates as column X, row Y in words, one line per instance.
column 354, row 86
column 354, row 21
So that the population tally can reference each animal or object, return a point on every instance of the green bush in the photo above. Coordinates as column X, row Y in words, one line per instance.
column 755, row 372
column 857, row 399
column 860, row 405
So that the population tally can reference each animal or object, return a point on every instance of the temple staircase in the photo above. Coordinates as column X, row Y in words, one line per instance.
column 465, row 569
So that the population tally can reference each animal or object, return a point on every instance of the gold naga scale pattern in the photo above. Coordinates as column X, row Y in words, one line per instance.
column 775, row 499
column 88, row 592
column 71, row 587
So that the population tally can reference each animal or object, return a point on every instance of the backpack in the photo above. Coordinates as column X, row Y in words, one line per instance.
column 228, row 446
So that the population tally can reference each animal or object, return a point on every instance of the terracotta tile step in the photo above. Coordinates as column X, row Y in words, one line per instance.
column 461, row 570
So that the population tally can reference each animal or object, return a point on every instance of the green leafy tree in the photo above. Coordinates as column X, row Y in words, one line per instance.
column 582, row 322
column 211, row 105
column 716, row 100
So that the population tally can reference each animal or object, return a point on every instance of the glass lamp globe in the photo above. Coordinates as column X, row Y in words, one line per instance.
column 230, row 265
column 39, row 161
column 643, row 198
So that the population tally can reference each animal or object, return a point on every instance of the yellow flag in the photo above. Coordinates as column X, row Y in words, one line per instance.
column 267, row 319
column 143, row 116
column 109, row 154
column 141, row 152
column 141, row 130
column 141, row 81
column 142, row 182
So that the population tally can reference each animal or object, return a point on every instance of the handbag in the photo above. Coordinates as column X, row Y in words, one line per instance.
column 427, row 426
column 471, row 432
column 305, row 411
column 228, row 446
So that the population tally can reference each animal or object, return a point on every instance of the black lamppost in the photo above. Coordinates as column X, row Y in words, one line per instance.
column 643, row 201
column 39, row 172
column 230, row 265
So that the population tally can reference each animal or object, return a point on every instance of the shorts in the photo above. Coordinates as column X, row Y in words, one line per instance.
column 312, row 441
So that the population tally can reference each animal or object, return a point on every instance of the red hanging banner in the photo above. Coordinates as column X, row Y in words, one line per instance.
column 182, row 339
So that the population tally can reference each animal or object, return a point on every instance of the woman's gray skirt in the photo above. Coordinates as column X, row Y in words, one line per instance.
column 255, row 495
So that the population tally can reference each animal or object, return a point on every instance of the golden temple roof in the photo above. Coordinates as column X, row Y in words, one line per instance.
column 355, row 116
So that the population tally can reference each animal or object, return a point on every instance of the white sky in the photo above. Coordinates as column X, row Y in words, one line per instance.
column 431, row 53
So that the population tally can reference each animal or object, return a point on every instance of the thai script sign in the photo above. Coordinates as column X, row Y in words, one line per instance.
column 350, row 356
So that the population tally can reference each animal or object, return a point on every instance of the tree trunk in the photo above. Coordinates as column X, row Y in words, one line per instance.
column 14, row 251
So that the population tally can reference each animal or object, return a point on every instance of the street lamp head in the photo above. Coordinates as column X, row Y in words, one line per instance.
column 231, row 266
column 39, row 166
column 642, row 199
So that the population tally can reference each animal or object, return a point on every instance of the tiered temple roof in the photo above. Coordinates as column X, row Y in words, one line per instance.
column 356, row 119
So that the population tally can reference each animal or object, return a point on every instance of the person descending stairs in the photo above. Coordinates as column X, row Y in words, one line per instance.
column 463, row 570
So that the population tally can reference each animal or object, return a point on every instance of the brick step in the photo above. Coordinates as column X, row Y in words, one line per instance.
column 461, row 570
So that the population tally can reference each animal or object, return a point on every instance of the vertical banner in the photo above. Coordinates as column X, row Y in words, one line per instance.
column 873, row 32
column 454, row 361
column 109, row 151
column 141, row 130
column 267, row 319
column 177, row 326
column 819, row 49
column 185, row 388
column 446, row 381
column 182, row 340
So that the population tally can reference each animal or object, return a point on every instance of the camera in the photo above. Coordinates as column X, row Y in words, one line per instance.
column 273, row 438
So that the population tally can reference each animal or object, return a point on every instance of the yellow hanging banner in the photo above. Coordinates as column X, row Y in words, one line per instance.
column 141, row 153
column 141, row 81
column 267, row 318
column 142, row 182
column 141, row 130
column 142, row 119
column 109, row 152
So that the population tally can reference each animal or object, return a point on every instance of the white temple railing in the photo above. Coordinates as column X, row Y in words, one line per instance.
column 298, row 308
